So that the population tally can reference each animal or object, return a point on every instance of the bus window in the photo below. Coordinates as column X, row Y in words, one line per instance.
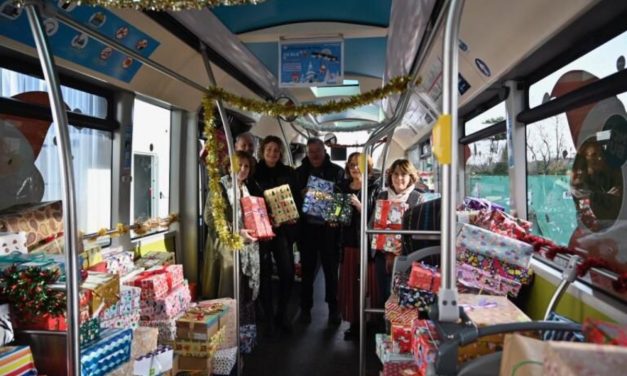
column 485, row 119
column 151, row 161
column 577, row 161
column 486, row 170
column 91, row 148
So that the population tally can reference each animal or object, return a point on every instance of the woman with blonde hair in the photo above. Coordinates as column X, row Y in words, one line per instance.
column 348, row 291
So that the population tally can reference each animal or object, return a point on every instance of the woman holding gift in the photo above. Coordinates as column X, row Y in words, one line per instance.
column 401, row 178
column 348, row 292
column 218, row 259
column 272, row 173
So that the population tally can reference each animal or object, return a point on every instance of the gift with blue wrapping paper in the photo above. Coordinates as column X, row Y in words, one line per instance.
column 109, row 352
column 319, row 195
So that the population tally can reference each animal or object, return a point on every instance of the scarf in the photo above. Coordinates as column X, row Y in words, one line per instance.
column 400, row 197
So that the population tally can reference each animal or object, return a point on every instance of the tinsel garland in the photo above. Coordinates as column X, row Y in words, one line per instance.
column 274, row 109
column 218, row 206
column 140, row 228
column 28, row 291
column 160, row 5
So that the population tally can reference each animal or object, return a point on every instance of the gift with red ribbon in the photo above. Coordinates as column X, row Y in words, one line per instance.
column 424, row 277
column 605, row 333
column 256, row 217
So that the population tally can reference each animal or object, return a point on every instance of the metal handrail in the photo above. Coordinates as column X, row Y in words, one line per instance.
column 59, row 115
column 234, row 205
column 385, row 128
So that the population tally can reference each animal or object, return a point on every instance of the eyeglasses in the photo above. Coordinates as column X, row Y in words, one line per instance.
column 352, row 165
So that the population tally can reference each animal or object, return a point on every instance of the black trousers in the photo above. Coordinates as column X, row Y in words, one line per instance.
column 384, row 279
column 319, row 241
column 282, row 250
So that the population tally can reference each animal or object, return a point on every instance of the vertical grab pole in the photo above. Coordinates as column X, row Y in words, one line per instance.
column 59, row 117
column 290, row 159
column 231, row 149
column 385, row 158
column 446, row 132
column 363, row 269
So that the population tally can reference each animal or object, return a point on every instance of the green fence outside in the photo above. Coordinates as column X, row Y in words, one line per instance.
column 551, row 207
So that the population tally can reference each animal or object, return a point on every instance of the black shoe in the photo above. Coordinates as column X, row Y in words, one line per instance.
column 334, row 318
column 305, row 317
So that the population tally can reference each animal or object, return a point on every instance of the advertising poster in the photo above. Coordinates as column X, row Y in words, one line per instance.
column 311, row 63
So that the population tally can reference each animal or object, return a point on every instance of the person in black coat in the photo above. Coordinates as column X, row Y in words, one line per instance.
column 271, row 173
column 319, row 240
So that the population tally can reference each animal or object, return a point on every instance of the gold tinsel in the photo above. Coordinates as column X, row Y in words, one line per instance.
column 139, row 228
column 274, row 109
column 163, row 5
column 218, row 206
column 396, row 85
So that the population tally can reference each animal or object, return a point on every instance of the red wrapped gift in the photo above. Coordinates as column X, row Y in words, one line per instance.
column 154, row 284
column 396, row 314
column 424, row 277
column 425, row 345
column 43, row 322
column 99, row 267
column 602, row 332
column 402, row 337
column 256, row 217
column 400, row 369
column 388, row 215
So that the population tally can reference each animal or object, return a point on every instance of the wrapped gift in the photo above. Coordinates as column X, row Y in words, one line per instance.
column 483, row 281
column 401, row 337
column 155, row 258
column 256, row 217
column 119, row 263
column 201, row 323
column 153, row 285
column 12, row 242
column 105, row 289
column 175, row 302
column 40, row 221
column 281, row 203
column 424, row 277
column 476, row 203
column 522, row 356
column 89, row 331
column 601, row 332
column 227, row 321
column 190, row 363
column 167, row 329
column 6, row 328
column 17, row 361
column 570, row 359
column 200, row 349
column 410, row 297
column 388, row 215
column 319, row 195
column 56, row 323
column 505, row 224
column 145, row 340
column 108, row 353
column 396, row 314
column 478, row 240
column 424, row 345
column 248, row 338
column 129, row 303
column 224, row 361
column 495, row 266
column 155, row 362
column 485, row 311
column 401, row 369
column 386, row 352
column 91, row 257
column 339, row 210
column 130, row 321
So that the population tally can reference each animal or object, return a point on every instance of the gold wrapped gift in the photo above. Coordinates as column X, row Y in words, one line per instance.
column 486, row 310
column 105, row 289
column 199, row 349
column 201, row 323
column 281, row 202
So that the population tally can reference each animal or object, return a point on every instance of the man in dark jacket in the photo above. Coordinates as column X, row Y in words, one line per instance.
column 319, row 239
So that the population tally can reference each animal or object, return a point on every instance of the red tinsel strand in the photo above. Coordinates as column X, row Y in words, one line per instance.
column 620, row 285
column 591, row 262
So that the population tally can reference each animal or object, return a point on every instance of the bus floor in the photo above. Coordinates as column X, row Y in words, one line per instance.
column 310, row 350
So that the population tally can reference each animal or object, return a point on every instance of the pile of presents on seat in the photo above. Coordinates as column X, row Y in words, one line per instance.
column 137, row 315
column 492, row 267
